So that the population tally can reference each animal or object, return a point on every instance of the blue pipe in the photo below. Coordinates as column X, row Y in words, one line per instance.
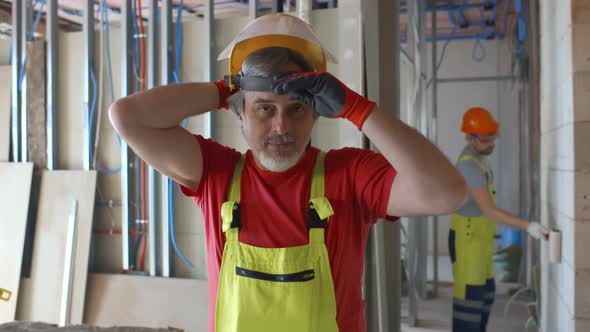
column 171, row 224
column 492, row 20
column 447, row 8
column 176, row 74
column 442, row 38
column 108, row 45
column 21, row 75
column 178, row 41
column 462, row 20
column 521, row 27
column 505, row 15
column 99, row 167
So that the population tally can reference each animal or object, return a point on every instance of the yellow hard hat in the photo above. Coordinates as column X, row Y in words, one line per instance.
column 276, row 30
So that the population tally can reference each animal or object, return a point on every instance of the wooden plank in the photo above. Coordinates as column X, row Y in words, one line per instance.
column 5, row 89
column 125, row 300
column 36, row 129
column 16, row 179
column 41, row 294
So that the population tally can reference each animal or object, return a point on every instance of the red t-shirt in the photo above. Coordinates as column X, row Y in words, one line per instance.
column 357, row 184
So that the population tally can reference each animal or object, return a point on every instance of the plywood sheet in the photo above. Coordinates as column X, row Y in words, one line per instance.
column 16, row 179
column 41, row 294
column 125, row 300
column 5, row 83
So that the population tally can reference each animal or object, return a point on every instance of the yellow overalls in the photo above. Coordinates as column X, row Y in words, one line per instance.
column 276, row 289
column 471, row 247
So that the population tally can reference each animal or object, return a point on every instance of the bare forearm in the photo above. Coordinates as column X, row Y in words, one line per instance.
column 506, row 218
column 167, row 106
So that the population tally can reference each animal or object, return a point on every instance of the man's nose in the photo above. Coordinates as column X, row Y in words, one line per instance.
column 280, row 122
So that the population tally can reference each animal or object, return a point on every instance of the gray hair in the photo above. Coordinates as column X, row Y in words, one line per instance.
column 267, row 62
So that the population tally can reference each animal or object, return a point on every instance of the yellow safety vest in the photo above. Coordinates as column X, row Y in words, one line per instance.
column 276, row 289
column 473, row 242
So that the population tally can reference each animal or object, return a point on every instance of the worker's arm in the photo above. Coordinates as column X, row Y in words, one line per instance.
column 149, row 122
column 426, row 182
column 486, row 204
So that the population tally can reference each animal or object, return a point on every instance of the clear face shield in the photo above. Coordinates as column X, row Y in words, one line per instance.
column 273, row 30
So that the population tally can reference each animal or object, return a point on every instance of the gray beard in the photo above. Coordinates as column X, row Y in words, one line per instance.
column 273, row 164
column 277, row 164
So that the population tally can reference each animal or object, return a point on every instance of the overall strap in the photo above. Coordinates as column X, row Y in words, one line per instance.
column 230, row 210
column 319, row 207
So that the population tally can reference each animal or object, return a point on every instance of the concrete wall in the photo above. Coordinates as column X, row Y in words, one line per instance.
column 565, row 161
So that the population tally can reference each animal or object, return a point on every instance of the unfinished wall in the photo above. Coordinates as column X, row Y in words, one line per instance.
column 497, row 96
column 565, row 161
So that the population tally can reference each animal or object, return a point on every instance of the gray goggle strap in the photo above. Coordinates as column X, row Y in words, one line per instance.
column 255, row 83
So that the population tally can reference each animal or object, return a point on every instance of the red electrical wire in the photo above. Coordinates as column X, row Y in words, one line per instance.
column 143, row 166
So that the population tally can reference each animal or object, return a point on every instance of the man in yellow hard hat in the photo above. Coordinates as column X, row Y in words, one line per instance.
column 285, row 223
column 471, row 238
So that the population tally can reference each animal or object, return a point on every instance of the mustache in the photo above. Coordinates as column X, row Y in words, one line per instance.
column 280, row 139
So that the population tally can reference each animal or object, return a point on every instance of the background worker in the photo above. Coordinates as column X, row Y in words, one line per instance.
column 473, row 226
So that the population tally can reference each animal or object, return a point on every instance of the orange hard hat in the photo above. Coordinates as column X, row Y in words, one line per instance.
column 479, row 121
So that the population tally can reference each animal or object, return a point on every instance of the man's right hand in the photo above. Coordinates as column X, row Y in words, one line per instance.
column 224, row 93
column 537, row 231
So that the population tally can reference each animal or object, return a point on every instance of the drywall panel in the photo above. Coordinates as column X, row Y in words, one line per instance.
column 41, row 298
column 124, row 300
column 16, row 179
column 5, row 89
column 70, row 102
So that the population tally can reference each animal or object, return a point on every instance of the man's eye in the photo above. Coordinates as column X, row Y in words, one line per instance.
column 265, row 108
column 296, row 108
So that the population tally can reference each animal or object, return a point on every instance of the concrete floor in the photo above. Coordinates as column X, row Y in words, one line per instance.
column 435, row 314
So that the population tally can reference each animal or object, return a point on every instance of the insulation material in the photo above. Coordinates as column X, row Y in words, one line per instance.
column 35, row 85
column 16, row 179
column 41, row 294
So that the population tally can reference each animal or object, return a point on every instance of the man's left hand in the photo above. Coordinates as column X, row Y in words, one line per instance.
column 327, row 95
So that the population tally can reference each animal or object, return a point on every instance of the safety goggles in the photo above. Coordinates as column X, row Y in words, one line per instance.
column 486, row 138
